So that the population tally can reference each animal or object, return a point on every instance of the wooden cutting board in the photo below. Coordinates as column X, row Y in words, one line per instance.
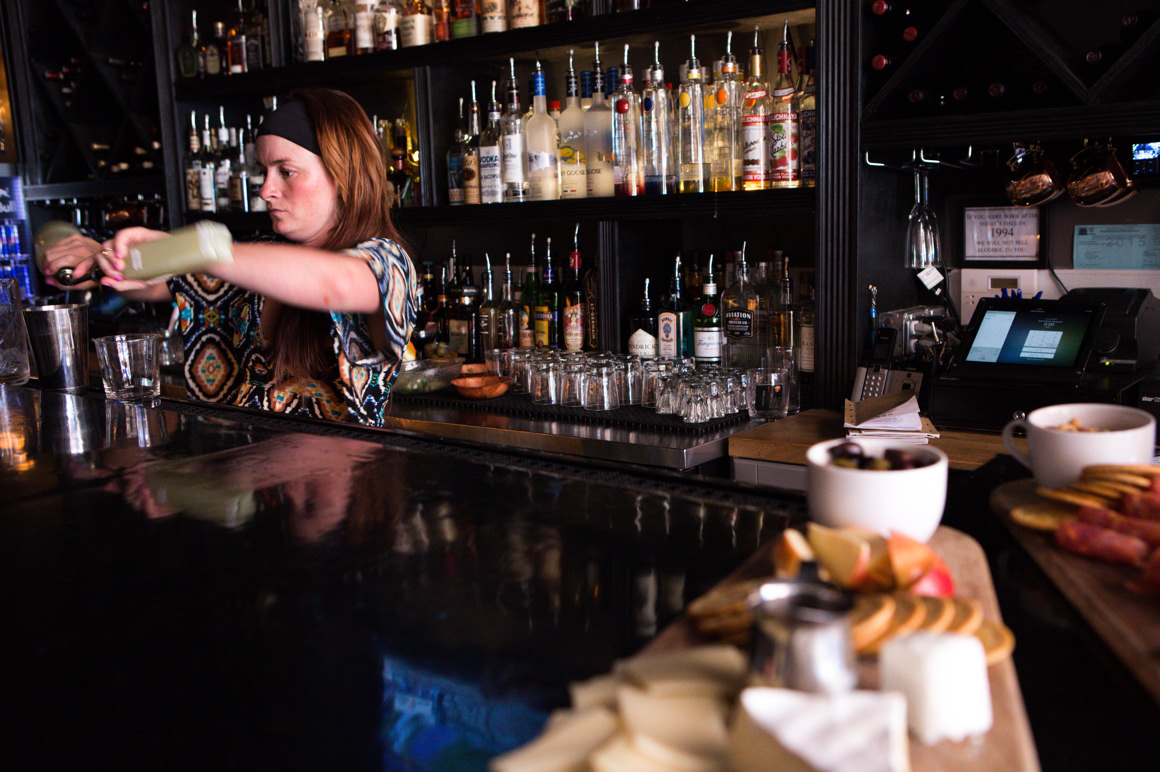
column 1126, row 621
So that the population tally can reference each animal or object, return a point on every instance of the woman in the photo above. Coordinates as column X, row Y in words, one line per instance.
column 316, row 326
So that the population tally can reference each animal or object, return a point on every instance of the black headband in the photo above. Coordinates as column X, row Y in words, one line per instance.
column 291, row 121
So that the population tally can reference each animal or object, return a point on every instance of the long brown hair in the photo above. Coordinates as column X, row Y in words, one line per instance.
column 352, row 156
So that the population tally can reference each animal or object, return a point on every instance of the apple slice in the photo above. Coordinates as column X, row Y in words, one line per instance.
column 789, row 553
column 843, row 553
column 909, row 559
column 937, row 581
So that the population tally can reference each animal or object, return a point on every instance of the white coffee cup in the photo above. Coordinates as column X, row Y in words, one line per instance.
column 1056, row 456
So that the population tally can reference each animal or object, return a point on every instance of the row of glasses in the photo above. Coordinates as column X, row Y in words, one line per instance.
column 699, row 395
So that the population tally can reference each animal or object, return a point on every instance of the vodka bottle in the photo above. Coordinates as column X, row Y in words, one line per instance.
column 513, row 143
column 809, row 119
column 691, row 125
column 585, row 89
column 491, row 155
column 755, row 122
column 573, row 174
column 627, row 172
column 740, row 314
column 656, row 130
column 543, row 145
column 598, row 136
column 784, row 124
column 471, row 189
column 728, row 91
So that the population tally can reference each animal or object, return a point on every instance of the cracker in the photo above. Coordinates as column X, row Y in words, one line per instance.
column 1069, row 497
column 1147, row 470
column 870, row 617
column 1134, row 482
column 940, row 612
column 968, row 616
column 1042, row 515
column 909, row 614
column 997, row 639
column 1105, row 489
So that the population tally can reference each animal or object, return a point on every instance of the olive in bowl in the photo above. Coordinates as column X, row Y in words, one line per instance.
column 879, row 484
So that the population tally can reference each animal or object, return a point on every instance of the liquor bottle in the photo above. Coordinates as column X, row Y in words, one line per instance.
column 524, row 13
column 808, row 111
column 691, row 125
column 456, row 154
column 386, row 26
column 807, row 316
column 493, row 16
column 740, row 314
column 755, row 114
column 784, row 122
column 257, row 175
column 543, row 145
column 313, row 33
column 214, row 49
column 454, row 287
column 627, row 171
column 402, row 185
column 190, row 54
column 707, row 333
column 363, row 25
column 554, row 112
column 487, row 332
column 425, row 330
column 573, row 333
column 441, row 313
column 464, row 19
column 728, row 91
column 513, row 143
column 405, row 158
column 193, row 168
column 338, row 29
column 257, row 39
column 461, row 325
column 565, row 10
column 642, row 336
column 656, row 130
column 783, row 316
column 491, row 186
column 598, row 137
column 585, row 89
column 507, row 318
column 528, row 298
column 675, row 320
column 240, row 181
column 207, row 194
column 471, row 189
column 441, row 19
column 236, row 42
column 591, row 282
column 416, row 23
column 573, row 169
column 547, row 319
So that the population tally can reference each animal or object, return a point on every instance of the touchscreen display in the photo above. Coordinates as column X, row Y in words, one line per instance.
column 1040, row 337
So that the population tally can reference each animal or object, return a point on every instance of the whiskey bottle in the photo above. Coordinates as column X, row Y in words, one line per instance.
column 464, row 19
column 691, row 125
column 386, row 26
column 528, row 299
column 627, row 172
column 416, row 23
column 784, row 327
column 785, row 122
column 656, row 130
column 236, row 42
column 441, row 20
column 461, row 325
column 215, row 49
column 543, row 145
column 573, row 168
column 338, row 29
column 257, row 37
column 547, row 317
column 515, row 157
column 524, row 13
column 364, row 26
column 755, row 116
column 573, row 333
column 598, row 137
column 191, row 54
column 707, row 332
column 642, row 338
column 493, row 16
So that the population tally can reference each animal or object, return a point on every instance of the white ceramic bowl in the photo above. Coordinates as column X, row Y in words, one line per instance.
column 910, row 501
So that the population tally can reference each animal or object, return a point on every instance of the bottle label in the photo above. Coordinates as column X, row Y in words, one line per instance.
column 364, row 37
column 471, row 182
column 257, row 203
column 459, row 336
column 455, row 192
column 415, row 29
column 524, row 13
column 573, row 174
column 707, row 344
column 784, row 146
column 543, row 326
column 192, row 189
column 490, row 177
column 754, row 148
column 493, row 16
column 642, row 344
column 809, row 145
column 386, row 28
column 206, row 190
column 738, row 323
column 513, row 151
column 527, row 335
column 668, row 335
column 573, row 326
column 806, row 348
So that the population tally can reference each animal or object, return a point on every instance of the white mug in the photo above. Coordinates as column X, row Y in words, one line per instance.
column 1056, row 456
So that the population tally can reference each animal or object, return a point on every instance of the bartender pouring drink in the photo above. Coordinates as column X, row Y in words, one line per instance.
column 316, row 324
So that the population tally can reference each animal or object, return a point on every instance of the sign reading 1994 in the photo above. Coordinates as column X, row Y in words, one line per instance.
column 1000, row 233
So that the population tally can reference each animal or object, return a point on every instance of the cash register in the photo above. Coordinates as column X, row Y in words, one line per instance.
column 1091, row 345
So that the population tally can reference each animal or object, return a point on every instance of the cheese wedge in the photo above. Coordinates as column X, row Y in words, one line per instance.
column 790, row 731
column 683, row 733
column 564, row 747
column 718, row 670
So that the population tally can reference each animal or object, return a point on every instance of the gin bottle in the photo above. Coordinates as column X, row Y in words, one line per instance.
column 708, row 339
column 642, row 340
column 740, row 312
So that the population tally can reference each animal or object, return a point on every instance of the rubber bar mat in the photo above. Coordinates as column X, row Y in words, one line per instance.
column 520, row 405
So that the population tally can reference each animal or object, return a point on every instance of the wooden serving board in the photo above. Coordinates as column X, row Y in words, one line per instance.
column 1008, row 746
column 1127, row 622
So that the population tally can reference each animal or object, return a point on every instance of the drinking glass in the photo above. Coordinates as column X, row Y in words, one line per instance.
column 600, row 389
column 14, row 368
column 923, row 248
column 130, row 365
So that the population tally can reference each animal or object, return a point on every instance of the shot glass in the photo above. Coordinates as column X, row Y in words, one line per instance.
column 130, row 365
column 544, row 382
column 600, row 387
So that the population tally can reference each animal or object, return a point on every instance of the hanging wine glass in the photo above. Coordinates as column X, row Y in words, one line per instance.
column 923, row 248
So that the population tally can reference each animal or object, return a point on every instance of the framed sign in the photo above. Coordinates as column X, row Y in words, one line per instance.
column 1001, row 235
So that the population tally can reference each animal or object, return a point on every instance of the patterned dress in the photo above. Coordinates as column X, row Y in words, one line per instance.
column 227, row 360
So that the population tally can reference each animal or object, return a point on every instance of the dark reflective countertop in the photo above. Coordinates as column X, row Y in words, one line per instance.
column 195, row 588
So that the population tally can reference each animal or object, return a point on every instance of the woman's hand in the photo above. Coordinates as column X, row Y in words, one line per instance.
column 111, row 258
column 76, row 252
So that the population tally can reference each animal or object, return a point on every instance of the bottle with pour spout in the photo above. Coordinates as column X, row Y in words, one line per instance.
column 191, row 249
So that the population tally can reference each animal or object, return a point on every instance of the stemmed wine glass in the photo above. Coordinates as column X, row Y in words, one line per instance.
column 923, row 248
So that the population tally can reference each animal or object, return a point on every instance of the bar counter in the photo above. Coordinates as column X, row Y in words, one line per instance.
column 191, row 587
